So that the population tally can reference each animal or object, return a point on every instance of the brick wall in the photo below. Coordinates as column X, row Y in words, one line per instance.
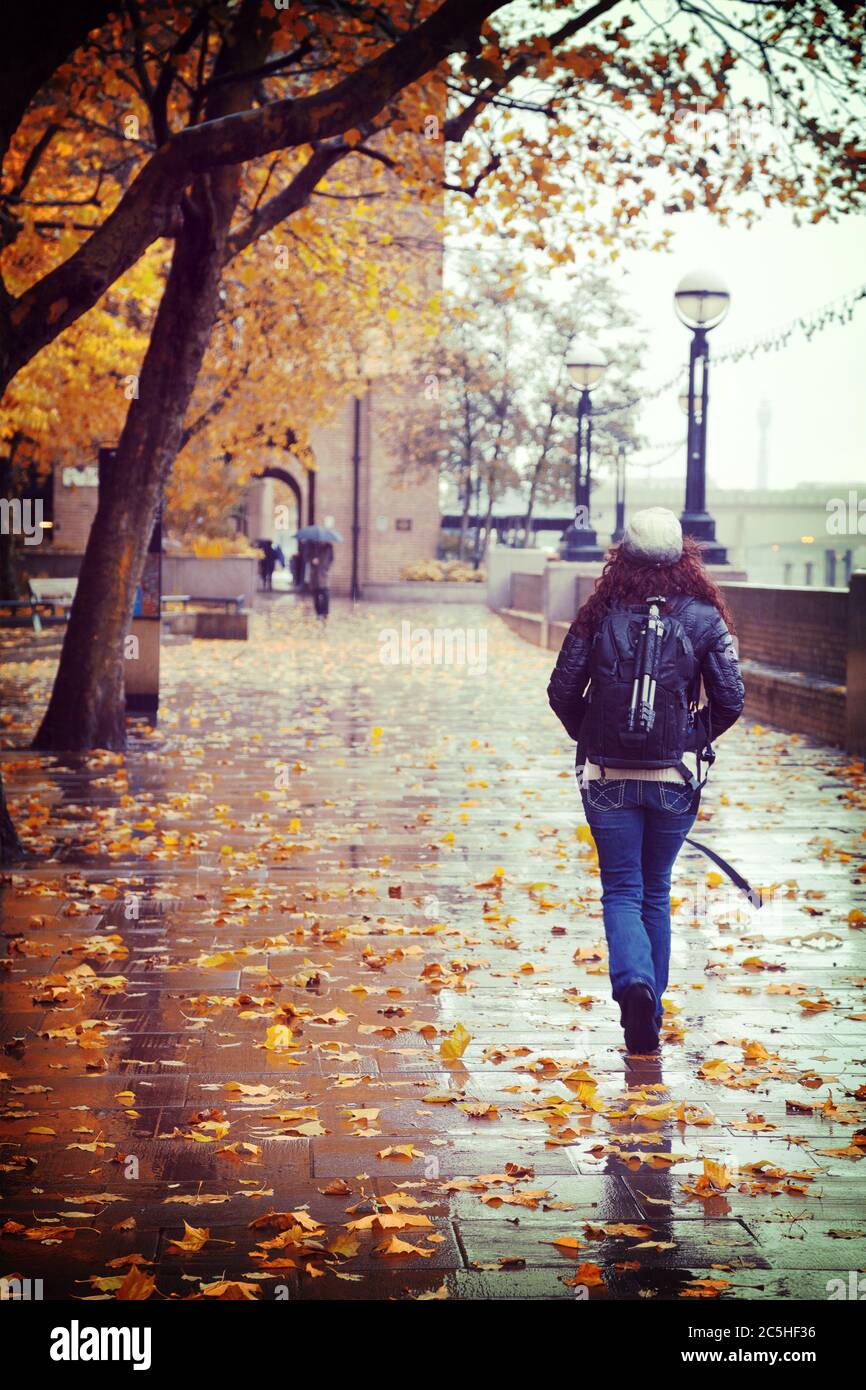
column 394, row 492
column 793, row 643
column 73, row 509
column 798, row 629
column 796, row 702
column 389, row 492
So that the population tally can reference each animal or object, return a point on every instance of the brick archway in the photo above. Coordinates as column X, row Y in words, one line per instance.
column 284, row 476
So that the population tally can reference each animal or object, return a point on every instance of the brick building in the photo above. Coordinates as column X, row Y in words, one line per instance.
column 75, row 494
column 397, row 515
column 386, row 511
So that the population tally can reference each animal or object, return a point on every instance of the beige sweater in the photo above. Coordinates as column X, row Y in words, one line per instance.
column 591, row 772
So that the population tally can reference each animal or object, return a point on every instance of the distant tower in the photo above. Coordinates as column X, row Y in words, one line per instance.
column 764, row 417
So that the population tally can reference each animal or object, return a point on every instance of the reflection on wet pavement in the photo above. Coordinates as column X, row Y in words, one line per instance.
column 306, row 996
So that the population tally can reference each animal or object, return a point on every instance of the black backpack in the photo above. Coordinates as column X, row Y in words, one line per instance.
column 644, row 684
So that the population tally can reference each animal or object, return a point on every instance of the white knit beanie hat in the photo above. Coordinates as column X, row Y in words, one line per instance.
column 653, row 536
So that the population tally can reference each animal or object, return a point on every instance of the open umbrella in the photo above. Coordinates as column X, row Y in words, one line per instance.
column 318, row 533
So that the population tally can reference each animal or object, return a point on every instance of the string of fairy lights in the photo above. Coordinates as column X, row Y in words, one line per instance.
column 668, row 451
column 838, row 311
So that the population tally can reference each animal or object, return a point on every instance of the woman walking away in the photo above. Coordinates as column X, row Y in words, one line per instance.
column 626, row 687
column 321, row 559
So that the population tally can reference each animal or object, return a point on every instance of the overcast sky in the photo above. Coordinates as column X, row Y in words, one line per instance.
column 816, row 390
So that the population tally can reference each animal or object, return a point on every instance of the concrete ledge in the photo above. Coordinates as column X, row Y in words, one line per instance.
column 224, row 627
column 527, row 592
column 527, row 625
column 213, row 576
column 504, row 560
column 424, row 591
column 793, row 700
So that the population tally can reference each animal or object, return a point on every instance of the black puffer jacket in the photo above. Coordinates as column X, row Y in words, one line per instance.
column 717, row 659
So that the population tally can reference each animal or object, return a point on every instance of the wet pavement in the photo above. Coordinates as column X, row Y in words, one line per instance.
column 306, row 996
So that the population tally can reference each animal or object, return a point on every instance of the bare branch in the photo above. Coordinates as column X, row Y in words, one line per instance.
column 289, row 199
column 471, row 189
column 32, row 161
column 457, row 126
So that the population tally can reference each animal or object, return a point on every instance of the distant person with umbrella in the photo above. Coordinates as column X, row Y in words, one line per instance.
column 317, row 549
column 272, row 556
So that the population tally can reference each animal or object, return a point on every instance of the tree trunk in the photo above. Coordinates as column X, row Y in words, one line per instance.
column 11, row 849
column 10, row 578
column 487, row 525
column 87, row 708
column 464, row 518
column 530, row 508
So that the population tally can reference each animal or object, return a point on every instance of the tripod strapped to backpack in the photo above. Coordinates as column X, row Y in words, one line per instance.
column 641, row 710
column 641, row 716
column 642, row 702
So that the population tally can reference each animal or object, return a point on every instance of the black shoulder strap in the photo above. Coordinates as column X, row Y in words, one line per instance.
column 707, row 755
column 753, row 894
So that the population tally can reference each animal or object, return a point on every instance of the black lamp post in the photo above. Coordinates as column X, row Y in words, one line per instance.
column 586, row 367
column 619, row 530
column 476, row 547
column 701, row 300
column 354, row 586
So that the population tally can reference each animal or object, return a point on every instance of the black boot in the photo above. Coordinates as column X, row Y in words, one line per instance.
column 638, row 1013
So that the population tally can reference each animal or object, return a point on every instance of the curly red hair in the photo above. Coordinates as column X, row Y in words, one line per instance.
column 622, row 581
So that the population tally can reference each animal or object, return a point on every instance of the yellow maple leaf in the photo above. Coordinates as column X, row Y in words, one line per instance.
column 278, row 1038
column 194, row 1238
column 455, row 1044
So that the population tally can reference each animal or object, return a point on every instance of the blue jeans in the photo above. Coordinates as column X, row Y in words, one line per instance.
column 639, row 829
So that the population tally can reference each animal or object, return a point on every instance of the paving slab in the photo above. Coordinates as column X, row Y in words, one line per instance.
column 327, row 941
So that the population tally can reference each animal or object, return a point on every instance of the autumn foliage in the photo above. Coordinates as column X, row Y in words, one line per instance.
column 205, row 215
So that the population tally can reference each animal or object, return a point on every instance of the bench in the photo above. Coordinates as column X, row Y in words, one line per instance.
column 10, row 608
column 45, row 598
column 54, row 594
column 50, row 600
